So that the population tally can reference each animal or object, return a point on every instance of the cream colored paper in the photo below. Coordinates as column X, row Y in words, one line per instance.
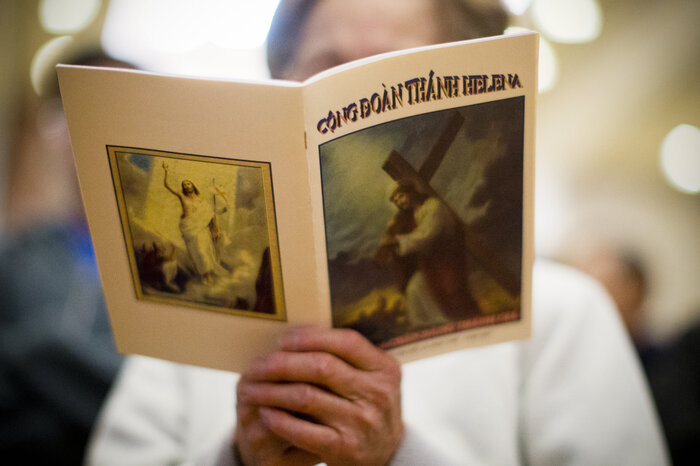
column 350, row 83
column 273, row 123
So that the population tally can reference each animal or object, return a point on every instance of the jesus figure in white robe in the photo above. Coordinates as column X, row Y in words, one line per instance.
column 198, row 227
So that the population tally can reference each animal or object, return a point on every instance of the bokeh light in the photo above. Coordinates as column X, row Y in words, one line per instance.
column 45, row 59
column 214, row 38
column 67, row 16
column 568, row 21
column 178, row 26
column 517, row 7
column 680, row 158
column 548, row 67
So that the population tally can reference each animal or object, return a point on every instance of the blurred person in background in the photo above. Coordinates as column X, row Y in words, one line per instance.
column 625, row 277
column 672, row 367
column 57, row 356
column 573, row 394
column 674, row 377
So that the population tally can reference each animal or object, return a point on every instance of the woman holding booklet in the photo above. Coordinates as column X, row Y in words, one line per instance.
column 573, row 394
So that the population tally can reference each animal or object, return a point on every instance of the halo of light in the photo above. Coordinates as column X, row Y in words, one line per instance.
column 207, row 37
column 680, row 158
column 67, row 16
column 568, row 21
column 548, row 67
column 241, row 24
column 181, row 26
column 46, row 57
column 517, row 7
column 175, row 26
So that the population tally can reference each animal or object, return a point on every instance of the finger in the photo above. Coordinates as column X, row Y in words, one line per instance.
column 346, row 344
column 322, row 369
column 314, row 438
column 256, row 442
column 294, row 456
column 299, row 398
column 253, row 435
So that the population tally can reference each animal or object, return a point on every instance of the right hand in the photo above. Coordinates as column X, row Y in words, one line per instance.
column 258, row 445
column 325, row 395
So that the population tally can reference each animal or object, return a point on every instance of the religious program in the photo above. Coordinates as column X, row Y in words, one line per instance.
column 391, row 195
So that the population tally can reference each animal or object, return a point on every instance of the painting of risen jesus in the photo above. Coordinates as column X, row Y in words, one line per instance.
column 200, row 231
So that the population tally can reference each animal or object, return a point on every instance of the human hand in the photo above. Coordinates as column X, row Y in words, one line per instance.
column 327, row 393
column 387, row 251
column 258, row 445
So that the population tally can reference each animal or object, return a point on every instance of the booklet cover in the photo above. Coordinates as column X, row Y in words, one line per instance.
column 392, row 195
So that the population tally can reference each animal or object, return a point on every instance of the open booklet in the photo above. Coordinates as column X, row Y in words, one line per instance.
column 392, row 195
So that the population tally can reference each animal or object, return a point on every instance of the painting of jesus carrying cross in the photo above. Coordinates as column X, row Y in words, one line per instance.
column 424, row 222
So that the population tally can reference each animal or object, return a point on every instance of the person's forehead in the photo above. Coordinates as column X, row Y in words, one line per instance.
column 355, row 29
column 361, row 20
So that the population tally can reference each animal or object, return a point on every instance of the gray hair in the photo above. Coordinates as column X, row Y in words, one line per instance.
column 460, row 20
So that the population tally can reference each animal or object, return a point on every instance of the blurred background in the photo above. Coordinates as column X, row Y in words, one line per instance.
column 617, row 184
column 618, row 144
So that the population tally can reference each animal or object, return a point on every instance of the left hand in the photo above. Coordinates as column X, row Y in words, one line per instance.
column 331, row 393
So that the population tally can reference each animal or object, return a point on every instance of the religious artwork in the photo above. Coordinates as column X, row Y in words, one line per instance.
column 402, row 204
column 200, row 231
column 424, row 222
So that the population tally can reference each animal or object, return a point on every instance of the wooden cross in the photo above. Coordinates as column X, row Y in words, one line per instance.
column 400, row 170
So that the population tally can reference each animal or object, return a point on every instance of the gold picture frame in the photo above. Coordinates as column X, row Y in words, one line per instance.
column 200, row 231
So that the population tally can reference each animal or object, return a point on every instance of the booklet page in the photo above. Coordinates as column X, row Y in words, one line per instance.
column 424, row 198
column 198, row 203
